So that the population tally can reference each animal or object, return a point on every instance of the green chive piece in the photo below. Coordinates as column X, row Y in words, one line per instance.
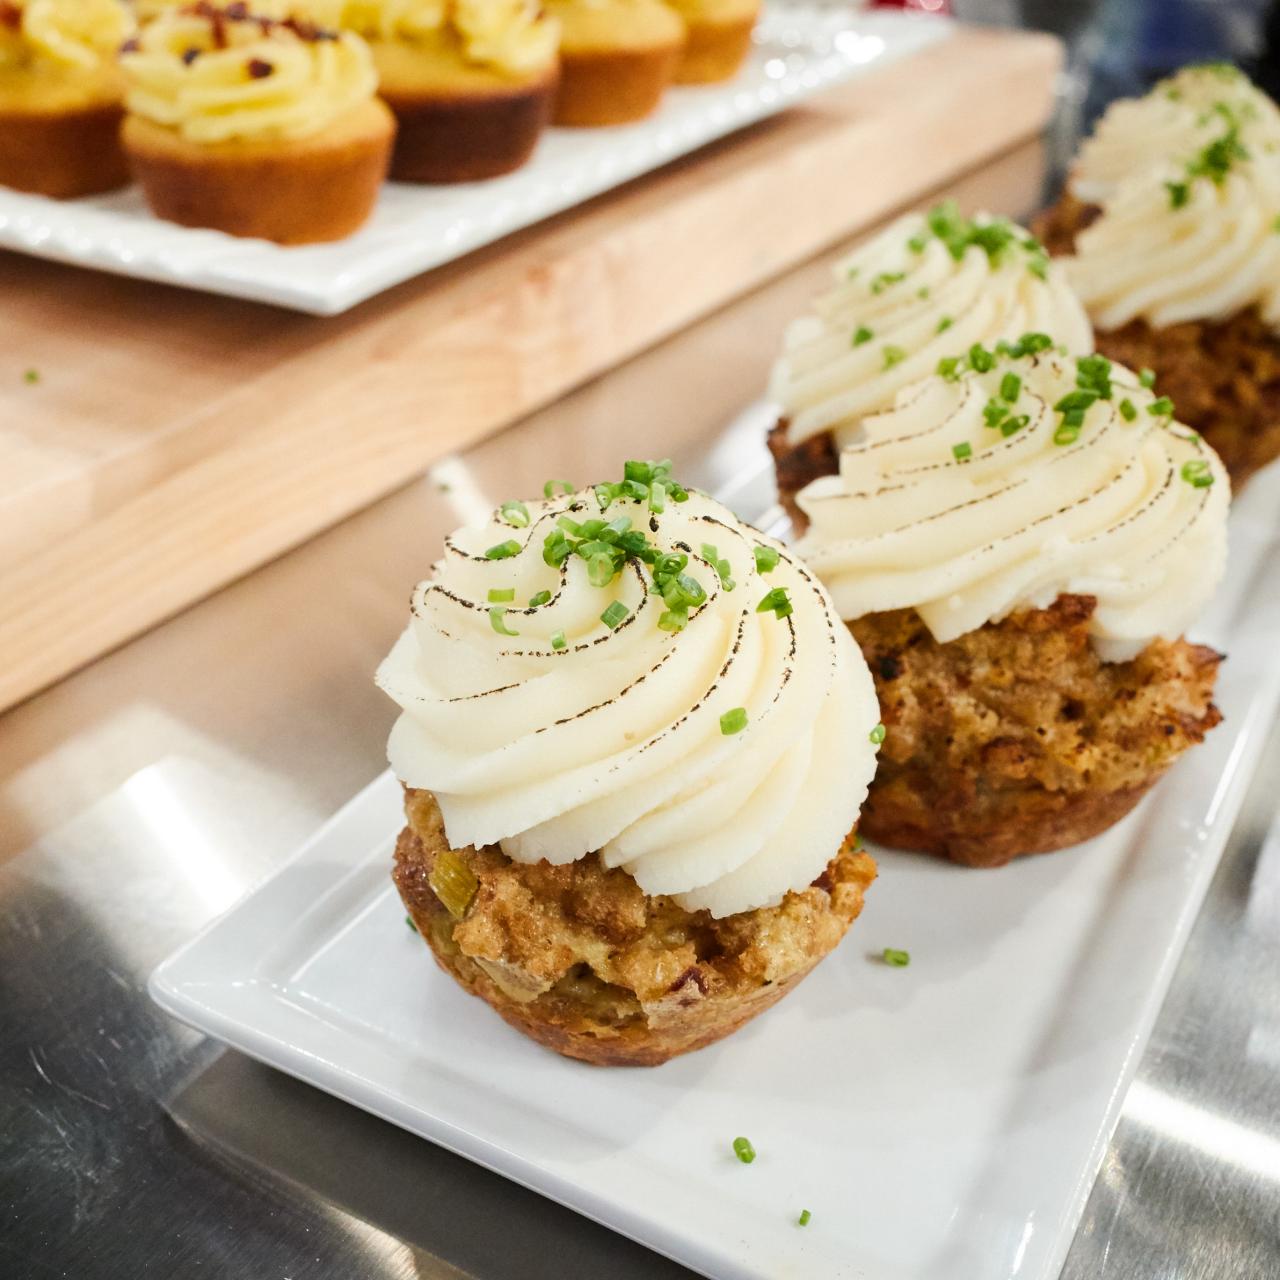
column 1073, row 418
column 501, row 595
column 673, row 620
column 804, row 1218
column 861, row 335
column 1197, row 473
column 1162, row 408
column 980, row 359
column 766, row 558
column 923, row 291
column 409, row 921
column 1147, row 378
column 995, row 413
column 1011, row 426
column 1010, row 388
column 1128, row 410
column 1075, row 400
column 917, row 244
column 614, row 615
column 730, row 723
column 951, row 367
column 885, row 279
column 514, row 513
column 503, row 551
column 543, row 597
column 549, row 489
column 776, row 601
column 743, row 1149
column 1066, row 434
column 877, row 735
column 1179, row 194
column 498, row 621
column 897, row 959
column 558, row 641
column 1275, row 224
column 944, row 324
column 31, row 377
column 962, row 450
column 893, row 355
column 657, row 497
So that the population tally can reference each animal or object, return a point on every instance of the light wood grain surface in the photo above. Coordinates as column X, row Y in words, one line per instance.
column 175, row 441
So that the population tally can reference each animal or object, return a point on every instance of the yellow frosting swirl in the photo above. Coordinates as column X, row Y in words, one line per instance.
column 541, row 727
column 938, row 511
column 73, row 35
column 219, row 75
column 1172, row 123
column 925, row 287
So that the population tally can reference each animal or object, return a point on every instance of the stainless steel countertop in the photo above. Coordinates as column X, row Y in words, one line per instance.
column 144, row 795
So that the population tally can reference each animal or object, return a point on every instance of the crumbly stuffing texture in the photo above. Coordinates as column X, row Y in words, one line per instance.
column 1223, row 378
column 580, row 959
column 798, row 465
column 1016, row 738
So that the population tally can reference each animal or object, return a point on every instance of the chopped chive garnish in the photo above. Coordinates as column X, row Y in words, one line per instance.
column 498, row 621
column 766, row 558
column 1162, row 408
column 1275, row 223
column 893, row 355
column 877, row 735
column 1073, row 418
column 980, row 359
column 1197, row 473
column 962, row 450
column 1067, row 433
column 657, row 497
column 614, row 615
column 1128, row 410
column 1075, row 400
column 1147, row 378
column 31, row 377
column 549, row 489
column 1179, row 194
column 995, row 413
column 409, row 921
column 543, row 597
column 923, row 291
column 861, row 335
column 743, row 1149
column 776, row 601
column 803, row 1219
column 1010, row 387
column 944, row 324
column 917, row 244
column 898, row 959
column 503, row 551
column 501, row 595
column 730, row 723
column 1011, row 426
column 950, row 367
column 514, row 513
column 885, row 279
column 558, row 641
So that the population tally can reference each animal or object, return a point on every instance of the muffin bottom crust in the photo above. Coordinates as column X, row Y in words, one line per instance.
column 1223, row 377
column 613, row 86
column 63, row 153
column 1016, row 738
column 715, row 50
column 799, row 465
column 579, row 959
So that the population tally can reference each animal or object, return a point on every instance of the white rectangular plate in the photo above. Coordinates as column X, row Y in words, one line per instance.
column 799, row 50
column 940, row 1121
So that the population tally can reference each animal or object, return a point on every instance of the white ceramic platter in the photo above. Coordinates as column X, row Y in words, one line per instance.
column 941, row 1122
column 799, row 50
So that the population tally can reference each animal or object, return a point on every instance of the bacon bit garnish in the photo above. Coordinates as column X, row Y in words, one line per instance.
column 10, row 15
column 259, row 68
column 190, row 56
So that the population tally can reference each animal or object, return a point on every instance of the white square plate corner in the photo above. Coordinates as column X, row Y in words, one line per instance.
column 941, row 1122
column 799, row 50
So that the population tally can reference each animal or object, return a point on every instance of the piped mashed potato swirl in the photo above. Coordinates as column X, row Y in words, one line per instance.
column 219, row 74
column 966, row 522
column 545, row 729
column 929, row 285
column 71, row 35
column 1176, row 120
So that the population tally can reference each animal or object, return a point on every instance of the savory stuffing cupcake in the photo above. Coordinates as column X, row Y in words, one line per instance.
column 719, row 38
column 1018, row 546
column 471, row 81
column 928, row 285
column 1173, row 217
column 617, row 58
column 635, row 739
column 254, row 126
column 61, row 95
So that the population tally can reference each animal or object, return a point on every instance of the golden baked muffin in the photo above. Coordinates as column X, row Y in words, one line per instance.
column 617, row 58
column 635, row 739
column 928, row 285
column 1172, row 221
column 471, row 81
column 719, row 38
column 255, row 126
column 1018, row 546
column 61, row 95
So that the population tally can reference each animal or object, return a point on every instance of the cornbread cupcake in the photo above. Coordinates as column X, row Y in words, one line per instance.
column 254, row 126
column 634, row 742
column 471, row 82
column 719, row 38
column 930, row 284
column 1018, row 546
column 1173, row 218
column 617, row 58
column 61, row 96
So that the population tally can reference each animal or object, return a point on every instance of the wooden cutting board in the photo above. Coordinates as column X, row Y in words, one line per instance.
column 173, row 441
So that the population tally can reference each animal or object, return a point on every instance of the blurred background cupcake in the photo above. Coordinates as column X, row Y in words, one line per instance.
column 62, row 96
column 719, row 38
